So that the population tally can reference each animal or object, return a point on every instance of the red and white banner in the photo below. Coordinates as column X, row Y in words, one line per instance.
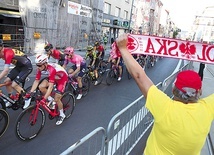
column 173, row 48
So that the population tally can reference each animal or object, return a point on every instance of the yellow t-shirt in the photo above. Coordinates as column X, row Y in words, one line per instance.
column 179, row 129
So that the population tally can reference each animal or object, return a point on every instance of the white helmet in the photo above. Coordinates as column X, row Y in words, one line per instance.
column 41, row 59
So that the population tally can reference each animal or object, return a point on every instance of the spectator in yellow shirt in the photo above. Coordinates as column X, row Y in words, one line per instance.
column 181, row 124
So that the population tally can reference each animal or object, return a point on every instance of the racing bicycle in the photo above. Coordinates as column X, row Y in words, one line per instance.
column 31, row 121
column 112, row 74
column 90, row 74
column 72, row 85
column 103, row 65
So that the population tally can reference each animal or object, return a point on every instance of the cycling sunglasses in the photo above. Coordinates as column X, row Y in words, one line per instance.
column 39, row 65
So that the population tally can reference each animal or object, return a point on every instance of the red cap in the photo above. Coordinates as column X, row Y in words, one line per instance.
column 188, row 79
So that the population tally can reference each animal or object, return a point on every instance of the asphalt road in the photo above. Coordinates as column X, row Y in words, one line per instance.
column 94, row 110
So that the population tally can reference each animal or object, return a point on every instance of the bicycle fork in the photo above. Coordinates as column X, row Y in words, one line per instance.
column 33, row 115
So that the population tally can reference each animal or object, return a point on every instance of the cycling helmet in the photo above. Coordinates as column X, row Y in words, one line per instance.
column 41, row 59
column 69, row 50
column 1, row 43
column 48, row 47
column 96, row 43
column 89, row 48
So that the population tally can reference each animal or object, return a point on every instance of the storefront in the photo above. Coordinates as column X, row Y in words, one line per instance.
column 11, row 29
column 113, row 27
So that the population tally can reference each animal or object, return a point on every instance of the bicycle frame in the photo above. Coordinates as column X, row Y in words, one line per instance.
column 70, row 83
column 90, row 74
column 13, row 102
column 34, row 114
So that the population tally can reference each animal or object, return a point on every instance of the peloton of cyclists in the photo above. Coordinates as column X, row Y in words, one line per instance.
column 57, row 75
column 94, row 61
column 56, row 54
column 23, row 67
column 78, row 68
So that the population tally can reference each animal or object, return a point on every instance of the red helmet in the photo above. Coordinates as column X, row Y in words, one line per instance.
column 69, row 50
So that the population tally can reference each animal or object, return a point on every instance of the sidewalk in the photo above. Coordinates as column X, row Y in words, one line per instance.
column 207, row 89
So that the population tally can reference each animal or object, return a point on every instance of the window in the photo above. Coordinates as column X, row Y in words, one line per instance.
column 107, row 8
column 117, row 12
column 125, row 14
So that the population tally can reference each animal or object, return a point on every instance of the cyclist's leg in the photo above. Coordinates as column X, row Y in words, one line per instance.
column 72, row 69
column 61, row 84
column 97, row 62
column 120, row 67
column 10, row 77
column 23, row 74
column 79, row 79
column 43, row 86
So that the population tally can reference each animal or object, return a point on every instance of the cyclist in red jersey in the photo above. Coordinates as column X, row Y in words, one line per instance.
column 56, row 75
column 117, row 60
column 100, row 50
column 56, row 54
column 23, row 67
column 78, row 68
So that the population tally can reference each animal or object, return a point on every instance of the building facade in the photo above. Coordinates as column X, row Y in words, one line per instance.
column 63, row 23
column 78, row 23
column 203, row 26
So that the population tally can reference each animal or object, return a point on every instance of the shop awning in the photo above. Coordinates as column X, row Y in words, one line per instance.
column 11, row 14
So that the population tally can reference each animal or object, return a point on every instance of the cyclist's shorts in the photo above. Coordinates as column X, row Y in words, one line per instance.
column 19, row 74
column 96, row 64
column 61, row 84
column 82, row 69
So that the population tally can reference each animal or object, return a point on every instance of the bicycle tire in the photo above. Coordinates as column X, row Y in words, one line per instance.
column 99, row 78
column 2, row 104
column 85, row 85
column 24, row 126
column 103, row 66
column 4, row 121
column 110, row 77
column 68, row 101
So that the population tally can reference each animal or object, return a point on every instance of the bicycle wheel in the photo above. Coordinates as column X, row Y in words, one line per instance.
column 103, row 67
column 30, row 123
column 99, row 78
column 110, row 77
column 85, row 85
column 68, row 102
column 4, row 121
column 2, row 104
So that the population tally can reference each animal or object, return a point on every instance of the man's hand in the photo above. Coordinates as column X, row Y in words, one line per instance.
column 122, row 41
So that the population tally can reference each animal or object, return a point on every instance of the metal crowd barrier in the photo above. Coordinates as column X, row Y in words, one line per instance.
column 125, row 129
column 91, row 144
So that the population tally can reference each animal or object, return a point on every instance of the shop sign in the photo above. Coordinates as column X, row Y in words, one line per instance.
column 79, row 9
